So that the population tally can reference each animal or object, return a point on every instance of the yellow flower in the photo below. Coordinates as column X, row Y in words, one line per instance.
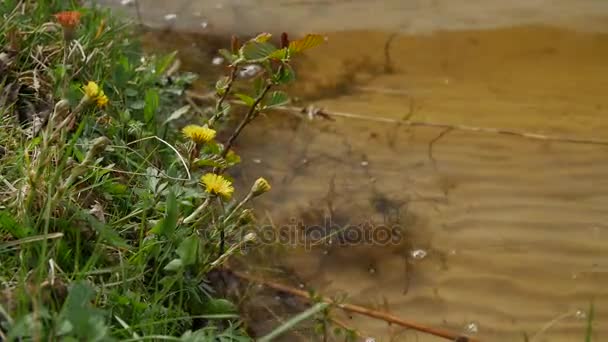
column 91, row 90
column 102, row 100
column 217, row 185
column 260, row 186
column 199, row 134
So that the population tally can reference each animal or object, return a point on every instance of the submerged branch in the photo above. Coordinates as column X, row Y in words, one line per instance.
column 312, row 111
column 387, row 317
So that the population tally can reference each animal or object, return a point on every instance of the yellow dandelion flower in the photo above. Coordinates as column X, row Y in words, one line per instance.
column 260, row 186
column 217, row 185
column 102, row 100
column 91, row 90
column 199, row 134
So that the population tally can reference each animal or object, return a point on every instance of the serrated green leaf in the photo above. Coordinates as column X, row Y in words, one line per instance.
column 308, row 42
column 222, row 84
column 253, row 50
column 249, row 101
column 277, row 98
column 177, row 114
column 280, row 54
column 263, row 37
column 212, row 160
column 232, row 158
column 188, row 250
column 285, row 75
column 227, row 55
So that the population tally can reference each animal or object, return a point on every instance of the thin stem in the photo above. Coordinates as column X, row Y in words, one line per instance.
column 220, row 102
column 250, row 115
column 198, row 211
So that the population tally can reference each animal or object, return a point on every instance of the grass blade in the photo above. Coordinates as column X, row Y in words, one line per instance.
column 293, row 322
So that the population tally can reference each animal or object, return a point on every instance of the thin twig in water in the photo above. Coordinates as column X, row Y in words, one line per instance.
column 391, row 319
column 388, row 65
column 299, row 111
column 432, row 143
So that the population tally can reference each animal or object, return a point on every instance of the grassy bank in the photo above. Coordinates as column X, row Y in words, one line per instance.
column 111, row 213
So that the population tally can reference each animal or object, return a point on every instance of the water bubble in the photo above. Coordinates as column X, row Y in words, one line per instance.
column 204, row 24
column 277, row 298
column 580, row 314
column 418, row 254
column 372, row 270
column 301, row 286
column 197, row 14
column 127, row 2
column 370, row 339
column 325, row 252
column 257, row 160
column 170, row 16
column 364, row 163
column 472, row 328
column 217, row 60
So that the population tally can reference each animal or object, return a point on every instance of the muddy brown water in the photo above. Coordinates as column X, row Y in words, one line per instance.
column 499, row 235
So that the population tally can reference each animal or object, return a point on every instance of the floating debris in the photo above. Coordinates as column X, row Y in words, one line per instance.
column 170, row 16
column 217, row 60
column 419, row 254
column 472, row 328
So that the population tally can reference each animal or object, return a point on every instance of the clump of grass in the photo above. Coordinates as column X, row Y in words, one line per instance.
column 111, row 216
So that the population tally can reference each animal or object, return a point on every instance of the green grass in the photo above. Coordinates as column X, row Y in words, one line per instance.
column 105, row 230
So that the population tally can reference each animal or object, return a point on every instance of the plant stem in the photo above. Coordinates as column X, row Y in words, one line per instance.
column 220, row 102
column 197, row 212
column 250, row 115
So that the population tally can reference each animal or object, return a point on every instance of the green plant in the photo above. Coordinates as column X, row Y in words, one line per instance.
column 110, row 218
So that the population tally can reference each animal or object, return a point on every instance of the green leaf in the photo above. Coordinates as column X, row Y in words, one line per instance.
column 232, row 159
column 222, row 84
column 137, row 105
column 228, row 55
column 284, row 75
column 280, row 54
column 249, row 101
column 177, row 114
column 86, row 322
column 188, row 250
column 277, row 98
column 219, row 307
column 262, row 37
column 152, row 101
column 167, row 225
column 174, row 265
column 212, row 160
column 130, row 92
column 14, row 228
column 308, row 42
column 253, row 50
column 165, row 62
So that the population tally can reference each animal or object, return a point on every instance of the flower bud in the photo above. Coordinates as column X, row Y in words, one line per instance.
column 259, row 187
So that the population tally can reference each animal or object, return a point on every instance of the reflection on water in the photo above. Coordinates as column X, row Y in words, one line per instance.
column 501, row 237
